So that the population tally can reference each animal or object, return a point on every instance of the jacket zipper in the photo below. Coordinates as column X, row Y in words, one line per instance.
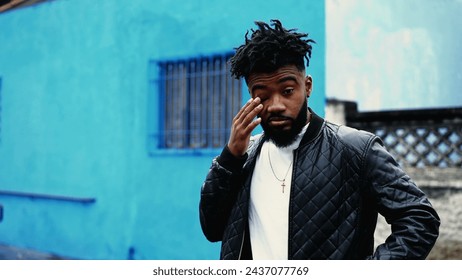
column 242, row 245
column 289, row 245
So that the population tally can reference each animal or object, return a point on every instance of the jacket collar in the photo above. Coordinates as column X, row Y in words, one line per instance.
column 314, row 128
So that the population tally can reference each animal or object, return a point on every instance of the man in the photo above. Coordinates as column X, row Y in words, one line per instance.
column 305, row 188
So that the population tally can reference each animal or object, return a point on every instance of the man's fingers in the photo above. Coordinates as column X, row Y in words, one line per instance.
column 249, row 112
column 243, row 109
column 247, row 108
column 248, row 117
column 253, row 125
column 243, row 124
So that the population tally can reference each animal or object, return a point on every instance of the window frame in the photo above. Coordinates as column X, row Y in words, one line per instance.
column 158, row 105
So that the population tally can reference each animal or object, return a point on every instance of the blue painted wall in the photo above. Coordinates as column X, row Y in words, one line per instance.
column 75, row 117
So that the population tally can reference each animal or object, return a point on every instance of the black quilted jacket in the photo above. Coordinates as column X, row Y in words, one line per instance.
column 342, row 178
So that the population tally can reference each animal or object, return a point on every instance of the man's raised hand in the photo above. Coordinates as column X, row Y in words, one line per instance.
column 243, row 124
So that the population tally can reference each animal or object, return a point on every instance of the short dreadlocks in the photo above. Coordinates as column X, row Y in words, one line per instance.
column 269, row 49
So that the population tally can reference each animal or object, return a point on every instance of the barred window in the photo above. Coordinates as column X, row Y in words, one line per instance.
column 199, row 99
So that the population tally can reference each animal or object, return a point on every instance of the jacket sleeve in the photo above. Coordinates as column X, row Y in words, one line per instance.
column 414, row 222
column 218, row 194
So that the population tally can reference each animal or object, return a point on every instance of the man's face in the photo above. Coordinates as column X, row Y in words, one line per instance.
column 283, row 94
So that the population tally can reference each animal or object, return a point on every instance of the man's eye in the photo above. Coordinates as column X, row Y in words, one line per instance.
column 288, row 91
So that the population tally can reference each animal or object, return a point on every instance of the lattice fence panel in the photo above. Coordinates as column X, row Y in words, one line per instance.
column 423, row 146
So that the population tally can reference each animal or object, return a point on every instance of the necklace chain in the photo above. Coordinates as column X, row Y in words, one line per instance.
column 274, row 173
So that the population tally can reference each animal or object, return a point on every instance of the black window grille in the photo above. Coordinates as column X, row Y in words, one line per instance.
column 198, row 99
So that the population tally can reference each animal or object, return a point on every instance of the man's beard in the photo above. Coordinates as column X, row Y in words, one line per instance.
column 284, row 138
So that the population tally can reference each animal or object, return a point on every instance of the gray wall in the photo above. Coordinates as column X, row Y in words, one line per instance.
column 394, row 54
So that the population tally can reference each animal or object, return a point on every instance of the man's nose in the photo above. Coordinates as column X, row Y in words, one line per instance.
column 276, row 104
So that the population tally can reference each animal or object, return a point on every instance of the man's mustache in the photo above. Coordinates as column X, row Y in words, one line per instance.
column 278, row 117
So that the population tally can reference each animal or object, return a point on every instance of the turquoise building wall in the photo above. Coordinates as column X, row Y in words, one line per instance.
column 76, row 110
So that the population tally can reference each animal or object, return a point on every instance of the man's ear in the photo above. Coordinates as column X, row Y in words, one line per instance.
column 308, row 85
